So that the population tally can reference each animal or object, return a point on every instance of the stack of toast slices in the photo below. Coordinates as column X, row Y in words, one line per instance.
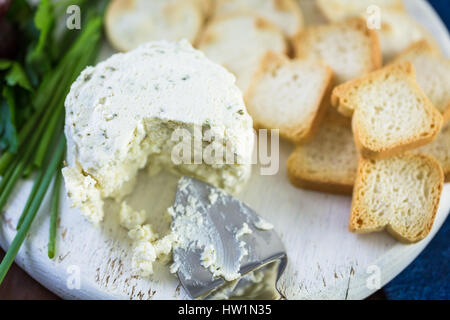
column 386, row 142
column 384, row 137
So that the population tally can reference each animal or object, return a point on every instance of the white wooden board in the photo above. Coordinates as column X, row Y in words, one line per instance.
column 325, row 260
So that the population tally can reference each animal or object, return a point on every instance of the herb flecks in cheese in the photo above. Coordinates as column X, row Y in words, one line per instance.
column 83, row 191
column 122, row 113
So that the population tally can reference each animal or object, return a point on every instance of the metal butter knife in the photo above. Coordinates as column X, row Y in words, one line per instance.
column 224, row 217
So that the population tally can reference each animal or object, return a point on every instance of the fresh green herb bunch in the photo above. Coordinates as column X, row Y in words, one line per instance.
column 31, row 45
column 36, row 71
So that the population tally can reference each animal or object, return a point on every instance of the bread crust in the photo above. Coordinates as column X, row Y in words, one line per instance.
column 300, row 177
column 394, row 27
column 118, row 7
column 294, row 134
column 205, row 36
column 305, row 181
column 301, row 42
column 421, row 45
column 321, row 111
column 338, row 96
column 112, row 9
column 356, row 217
column 324, row 4
column 319, row 185
column 384, row 152
column 211, row 37
column 440, row 150
column 279, row 5
column 425, row 47
column 340, row 100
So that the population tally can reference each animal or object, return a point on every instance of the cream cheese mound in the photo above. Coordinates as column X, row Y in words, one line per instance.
column 82, row 190
column 122, row 113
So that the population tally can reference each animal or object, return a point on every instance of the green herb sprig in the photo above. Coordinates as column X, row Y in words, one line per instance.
column 43, row 75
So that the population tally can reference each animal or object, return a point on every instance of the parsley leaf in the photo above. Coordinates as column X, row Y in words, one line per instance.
column 17, row 76
column 44, row 21
column 5, row 64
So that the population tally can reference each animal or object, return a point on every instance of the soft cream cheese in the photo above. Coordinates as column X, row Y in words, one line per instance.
column 148, row 247
column 130, row 218
column 259, row 284
column 121, row 115
column 193, row 232
column 262, row 224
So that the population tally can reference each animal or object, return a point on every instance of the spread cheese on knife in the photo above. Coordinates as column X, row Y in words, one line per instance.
column 133, row 110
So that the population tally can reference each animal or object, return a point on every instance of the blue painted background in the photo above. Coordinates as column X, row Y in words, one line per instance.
column 428, row 277
column 443, row 8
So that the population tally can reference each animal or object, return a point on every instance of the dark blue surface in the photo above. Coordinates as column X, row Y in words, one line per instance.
column 428, row 277
column 442, row 7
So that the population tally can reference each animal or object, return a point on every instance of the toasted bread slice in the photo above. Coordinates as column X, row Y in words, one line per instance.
column 207, row 7
column 348, row 47
column 400, row 194
column 336, row 10
column 286, row 14
column 239, row 42
column 327, row 162
column 391, row 112
column 312, row 15
column 398, row 31
column 129, row 23
column 440, row 150
column 287, row 94
column 432, row 74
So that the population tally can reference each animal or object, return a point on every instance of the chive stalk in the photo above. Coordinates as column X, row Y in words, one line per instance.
column 54, row 213
column 36, row 136
column 36, row 183
column 47, row 88
column 31, row 212
column 46, row 139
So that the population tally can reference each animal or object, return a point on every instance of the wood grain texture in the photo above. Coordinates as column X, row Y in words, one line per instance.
column 325, row 260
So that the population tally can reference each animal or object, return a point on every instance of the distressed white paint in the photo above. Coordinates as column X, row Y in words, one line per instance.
column 325, row 260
